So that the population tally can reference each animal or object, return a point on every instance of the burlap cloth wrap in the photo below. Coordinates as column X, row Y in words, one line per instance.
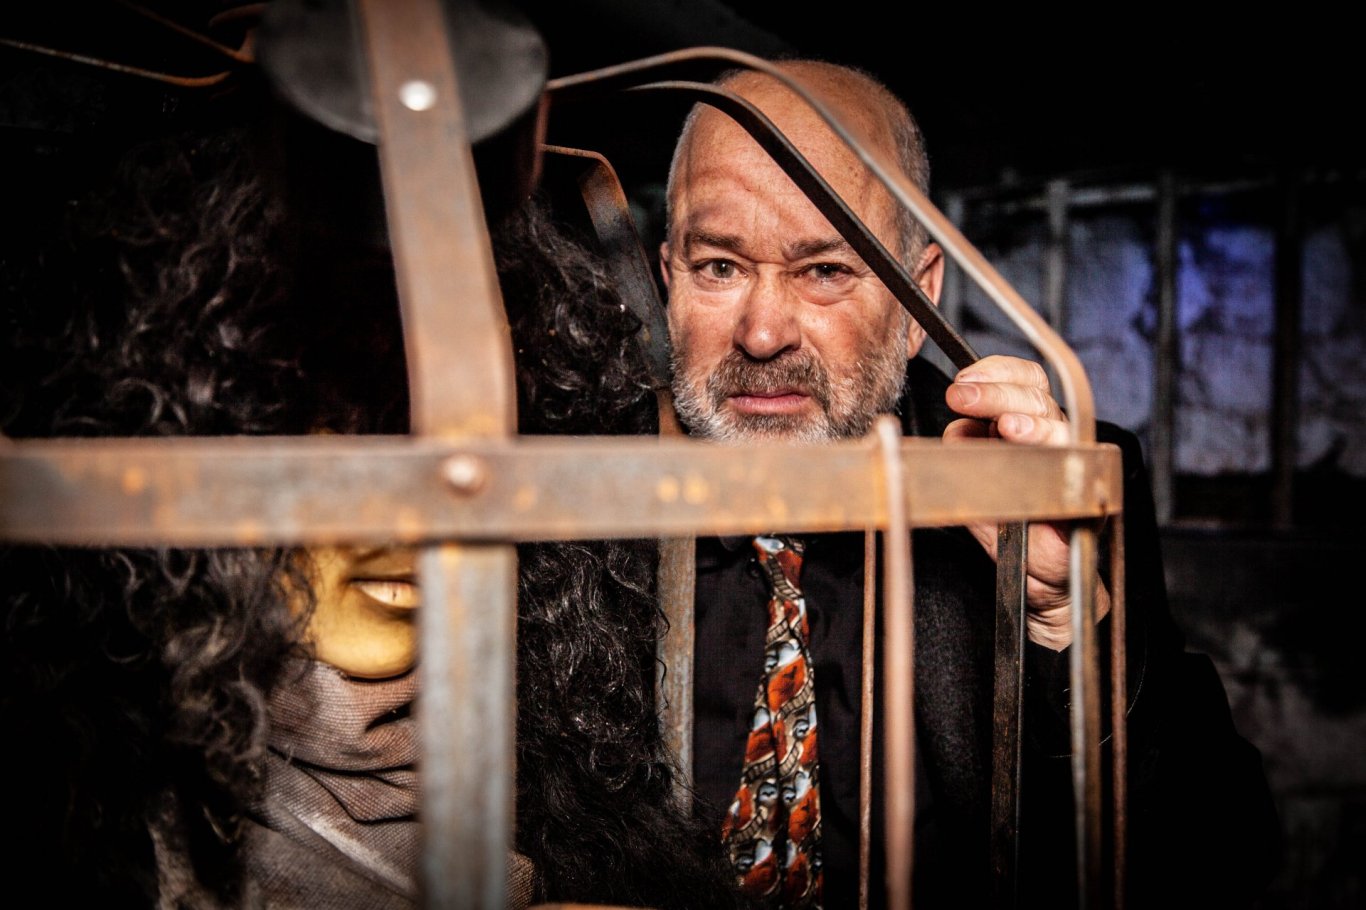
column 339, row 827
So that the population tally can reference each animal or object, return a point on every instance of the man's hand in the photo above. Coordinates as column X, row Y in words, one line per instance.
column 1009, row 398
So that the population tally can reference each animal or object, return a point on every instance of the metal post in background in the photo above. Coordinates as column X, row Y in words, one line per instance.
column 952, row 296
column 1166, row 351
column 1286, row 370
column 1055, row 261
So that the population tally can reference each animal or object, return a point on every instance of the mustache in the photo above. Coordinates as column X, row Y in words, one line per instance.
column 796, row 371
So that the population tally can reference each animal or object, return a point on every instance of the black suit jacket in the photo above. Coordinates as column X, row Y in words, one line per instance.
column 1199, row 806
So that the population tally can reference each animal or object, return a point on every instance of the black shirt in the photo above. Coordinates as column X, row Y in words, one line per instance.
column 731, row 623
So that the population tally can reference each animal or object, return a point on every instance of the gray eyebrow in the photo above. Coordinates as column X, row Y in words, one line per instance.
column 808, row 248
column 706, row 238
column 799, row 250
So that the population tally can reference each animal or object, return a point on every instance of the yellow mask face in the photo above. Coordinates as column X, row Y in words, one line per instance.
column 364, row 622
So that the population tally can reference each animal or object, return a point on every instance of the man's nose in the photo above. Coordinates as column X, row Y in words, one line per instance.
column 768, row 324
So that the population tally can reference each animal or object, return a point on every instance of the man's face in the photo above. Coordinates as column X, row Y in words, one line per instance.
column 779, row 329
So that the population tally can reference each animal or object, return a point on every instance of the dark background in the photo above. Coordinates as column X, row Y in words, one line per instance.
column 1028, row 95
column 1013, row 97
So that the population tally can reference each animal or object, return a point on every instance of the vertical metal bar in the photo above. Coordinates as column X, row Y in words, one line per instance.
column 898, row 648
column 454, row 323
column 867, row 717
column 1166, row 350
column 676, row 580
column 676, row 575
column 465, row 711
column 1286, row 371
column 1085, row 716
column 461, row 386
column 1119, row 706
column 1055, row 262
column 1012, row 551
column 610, row 213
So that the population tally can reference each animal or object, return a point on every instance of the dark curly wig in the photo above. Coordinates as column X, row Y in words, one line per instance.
column 181, row 296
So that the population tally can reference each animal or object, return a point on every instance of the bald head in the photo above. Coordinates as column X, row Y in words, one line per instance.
column 864, row 105
column 780, row 329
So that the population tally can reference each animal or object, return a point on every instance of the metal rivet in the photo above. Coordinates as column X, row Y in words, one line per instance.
column 417, row 95
column 465, row 473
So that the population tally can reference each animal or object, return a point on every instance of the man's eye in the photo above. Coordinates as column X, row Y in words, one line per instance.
column 720, row 269
column 827, row 271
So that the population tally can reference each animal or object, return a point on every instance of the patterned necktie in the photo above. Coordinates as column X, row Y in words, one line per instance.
column 773, row 828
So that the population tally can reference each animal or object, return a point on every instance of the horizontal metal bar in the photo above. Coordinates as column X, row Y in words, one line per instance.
column 1007, row 200
column 254, row 491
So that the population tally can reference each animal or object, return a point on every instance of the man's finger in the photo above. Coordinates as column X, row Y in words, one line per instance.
column 1003, row 369
column 1035, row 431
column 992, row 399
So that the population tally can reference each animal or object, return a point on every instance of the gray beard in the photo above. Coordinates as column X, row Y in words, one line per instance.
column 847, row 409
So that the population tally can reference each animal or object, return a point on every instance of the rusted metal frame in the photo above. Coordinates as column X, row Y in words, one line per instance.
column 676, row 584
column 1084, row 682
column 610, row 214
column 87, row 60
column 1078, row 400
column 898, row 650
column 461, row 385
column 677, row 578
column 1119, row 709
column 1008, row 677
column 867, row 715
column 1067, row 392
column 241, row 56
column 886, row 266
column 1012, row 551
column 1166, row 348
column 237, row 55
column 1079, row 404
column 259, row 491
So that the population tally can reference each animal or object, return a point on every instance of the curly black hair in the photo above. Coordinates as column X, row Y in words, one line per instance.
column 595, row 809
column 180, row 296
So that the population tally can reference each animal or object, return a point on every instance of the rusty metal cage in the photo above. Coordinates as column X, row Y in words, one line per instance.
column 466, row 488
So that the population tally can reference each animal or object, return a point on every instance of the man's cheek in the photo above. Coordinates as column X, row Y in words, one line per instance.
column 691, row 346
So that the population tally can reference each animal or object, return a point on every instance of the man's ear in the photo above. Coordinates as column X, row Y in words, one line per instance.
column 929, row 274
column 664, row 262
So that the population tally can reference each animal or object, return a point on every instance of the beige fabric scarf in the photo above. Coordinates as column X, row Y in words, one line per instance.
column 339, row 826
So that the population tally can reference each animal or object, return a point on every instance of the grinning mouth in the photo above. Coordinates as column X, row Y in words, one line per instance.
column 398, row 593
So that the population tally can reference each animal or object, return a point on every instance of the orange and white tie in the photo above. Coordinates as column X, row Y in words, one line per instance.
column 773, row 828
